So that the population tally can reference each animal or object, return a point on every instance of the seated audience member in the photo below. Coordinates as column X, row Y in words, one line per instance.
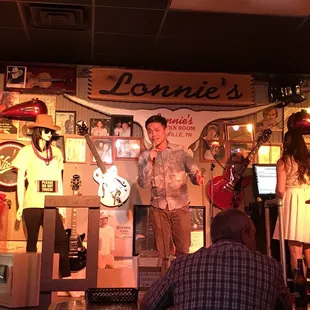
column 226, row 276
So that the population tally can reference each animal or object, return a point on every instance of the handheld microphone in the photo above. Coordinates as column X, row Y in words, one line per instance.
column 153, row 147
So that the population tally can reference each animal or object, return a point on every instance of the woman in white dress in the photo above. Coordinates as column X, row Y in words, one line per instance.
column 293, row 175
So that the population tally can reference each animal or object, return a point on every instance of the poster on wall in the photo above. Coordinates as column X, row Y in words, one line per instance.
column 8, row 126
column 15, row 77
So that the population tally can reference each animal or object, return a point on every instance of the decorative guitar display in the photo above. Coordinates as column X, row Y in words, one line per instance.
column 290, row 92
column 77, row 251
column 113, row 190
column 43, row 80
column 226, row 192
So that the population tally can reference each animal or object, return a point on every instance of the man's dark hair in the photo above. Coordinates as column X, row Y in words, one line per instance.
column 156, row 119
column 228, row 225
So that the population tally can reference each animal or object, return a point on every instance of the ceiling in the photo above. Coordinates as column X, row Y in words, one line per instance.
column 271, row 36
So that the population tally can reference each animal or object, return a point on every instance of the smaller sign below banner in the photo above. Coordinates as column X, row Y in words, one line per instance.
column 171, row 87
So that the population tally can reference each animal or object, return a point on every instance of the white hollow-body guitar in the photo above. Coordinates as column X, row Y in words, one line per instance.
column 113, row 190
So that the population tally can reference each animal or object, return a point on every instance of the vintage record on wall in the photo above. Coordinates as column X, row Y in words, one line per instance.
column 44, row 80
column 8, row 152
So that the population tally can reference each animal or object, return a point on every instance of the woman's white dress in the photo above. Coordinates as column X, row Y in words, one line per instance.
column 296, row 213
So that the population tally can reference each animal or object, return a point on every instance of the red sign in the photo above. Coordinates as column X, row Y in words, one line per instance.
column 8, row 174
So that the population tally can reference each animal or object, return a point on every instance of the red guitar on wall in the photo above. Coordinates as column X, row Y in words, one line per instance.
column 227, row 192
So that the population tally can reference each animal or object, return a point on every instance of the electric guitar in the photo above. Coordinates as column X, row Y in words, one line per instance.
column 290, row 92
column 77, row 251
column 227, row 192
column 113, row 190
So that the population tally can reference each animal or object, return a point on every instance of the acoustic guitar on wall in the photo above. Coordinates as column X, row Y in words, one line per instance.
column 113, row 190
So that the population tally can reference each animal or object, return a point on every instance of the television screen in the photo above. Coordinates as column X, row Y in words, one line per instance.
column 143, row 235
column 266, row 179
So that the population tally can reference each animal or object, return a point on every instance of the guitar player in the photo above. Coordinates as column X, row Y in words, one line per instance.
column 165, row 167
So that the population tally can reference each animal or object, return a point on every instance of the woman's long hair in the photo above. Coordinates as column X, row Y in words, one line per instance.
column 294, row 146
column 36, row 136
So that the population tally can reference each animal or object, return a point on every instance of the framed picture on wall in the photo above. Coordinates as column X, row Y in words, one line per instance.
column 104, row 147
column 269, row 154
column 239, row 150
column 15, row 77
column 121, row 125
column 59, row 141
column 99, row 126
column 143, row 234
column 213, row 131
column 240, row 132
column 270, row 118
column 127, row 148
column 213, row 150
column 75, row 149
column 66, row 121
column 23, row 132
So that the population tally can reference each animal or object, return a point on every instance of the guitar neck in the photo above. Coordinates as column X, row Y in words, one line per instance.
column 73, row 224
column 95, row 153
column 246, row 162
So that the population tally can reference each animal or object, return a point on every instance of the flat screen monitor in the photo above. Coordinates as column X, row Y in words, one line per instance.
column 266, row 179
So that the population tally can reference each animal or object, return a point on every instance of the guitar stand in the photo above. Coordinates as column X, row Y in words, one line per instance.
column 48, row 284
column 277, row 202
column 211, row 191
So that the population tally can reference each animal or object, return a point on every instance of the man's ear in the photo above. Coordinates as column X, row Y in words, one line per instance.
column 166, row 131
column 244, row 236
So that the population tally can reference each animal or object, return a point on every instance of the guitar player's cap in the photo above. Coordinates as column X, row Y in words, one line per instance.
column 45, row 121
column 104, row 214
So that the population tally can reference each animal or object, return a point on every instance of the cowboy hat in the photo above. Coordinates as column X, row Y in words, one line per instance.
column 104, row 214
column 44, row 121
column 17, row 71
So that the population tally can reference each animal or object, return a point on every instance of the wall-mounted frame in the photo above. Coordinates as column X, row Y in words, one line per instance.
column 239, row 132
column 104, row 147
column 143, row 234
column 121, row 125
column 270, row 118
column 23, row 132
column 8, row 127
column 213, row 150
column 213, row 131
column 75, row 149
column 269, row 153
column 237, row 150
column 66, row 120
column 99, row 127
column 15, row 77
column 59, row 141
column 48, row 80
column 127, row 148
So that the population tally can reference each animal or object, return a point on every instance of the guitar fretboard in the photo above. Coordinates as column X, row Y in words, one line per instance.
column 95, row 153
column 246, row 162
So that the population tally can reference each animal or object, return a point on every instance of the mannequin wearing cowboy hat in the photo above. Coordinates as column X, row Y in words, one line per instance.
column 106, row 241
column 43, row 165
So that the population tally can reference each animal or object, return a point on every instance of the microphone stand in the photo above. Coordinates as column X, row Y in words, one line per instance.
column 211, row 191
